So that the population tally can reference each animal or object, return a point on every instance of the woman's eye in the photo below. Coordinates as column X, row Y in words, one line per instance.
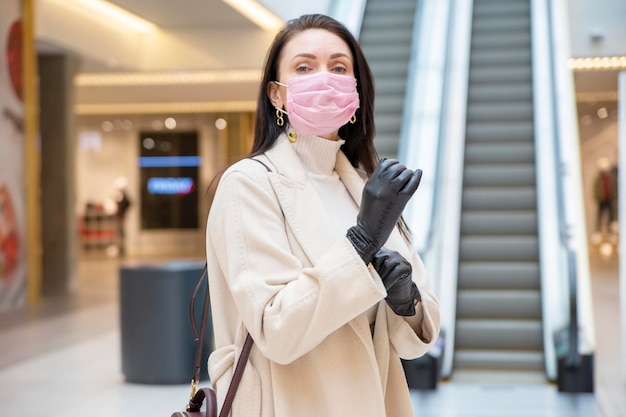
column 340, row 70
column 302, row 68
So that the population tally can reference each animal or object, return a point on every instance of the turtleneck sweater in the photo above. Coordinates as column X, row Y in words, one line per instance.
column 319, row 155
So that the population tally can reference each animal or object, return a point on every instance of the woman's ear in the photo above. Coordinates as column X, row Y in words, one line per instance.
column 274, row 94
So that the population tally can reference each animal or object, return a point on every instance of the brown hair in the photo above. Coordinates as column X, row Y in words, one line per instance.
column 359, row 137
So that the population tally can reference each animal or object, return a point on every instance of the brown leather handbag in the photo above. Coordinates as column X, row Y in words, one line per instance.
column 198, row 396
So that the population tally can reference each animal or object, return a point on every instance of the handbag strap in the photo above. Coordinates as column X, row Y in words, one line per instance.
column 198, row 337
column 234, row 383
column 196, row 398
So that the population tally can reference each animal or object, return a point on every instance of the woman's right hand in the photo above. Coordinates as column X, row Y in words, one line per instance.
column 385, row 195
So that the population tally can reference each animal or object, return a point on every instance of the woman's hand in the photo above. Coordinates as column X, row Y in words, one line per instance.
column 395, row 271
column 384, row 197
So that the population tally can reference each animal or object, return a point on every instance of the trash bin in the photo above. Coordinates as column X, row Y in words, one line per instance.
column 157, row 341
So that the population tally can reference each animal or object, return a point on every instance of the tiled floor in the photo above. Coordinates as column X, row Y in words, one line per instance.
column 63, row 360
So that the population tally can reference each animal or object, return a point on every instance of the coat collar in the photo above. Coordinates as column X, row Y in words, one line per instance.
column 304, row 211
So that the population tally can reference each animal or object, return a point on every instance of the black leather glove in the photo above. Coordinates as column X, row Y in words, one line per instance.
column 384, row 197
column 395, row 271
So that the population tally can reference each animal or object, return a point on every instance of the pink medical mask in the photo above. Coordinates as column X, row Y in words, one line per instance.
column 320, row 103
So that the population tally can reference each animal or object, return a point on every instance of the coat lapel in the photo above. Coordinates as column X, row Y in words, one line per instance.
column 304, row 211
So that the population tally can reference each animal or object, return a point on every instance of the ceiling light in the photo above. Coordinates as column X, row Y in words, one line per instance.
column 596, row 96
column 164, row 107
column 606, row 250
column 220, row 124
column 170, row 123
column 598, row 63
column 256, row 13
column 165, row 78
column 116, row 14
column 107, row 126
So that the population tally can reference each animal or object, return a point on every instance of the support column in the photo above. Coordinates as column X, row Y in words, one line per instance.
column 32, row 156
column 57, row 127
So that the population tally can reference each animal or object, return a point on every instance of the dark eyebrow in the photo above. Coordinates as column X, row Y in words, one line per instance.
column 340, row 55
column 311, row 56
column 304, row 55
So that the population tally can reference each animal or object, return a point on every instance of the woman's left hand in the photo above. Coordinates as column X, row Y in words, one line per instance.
column 396, row 272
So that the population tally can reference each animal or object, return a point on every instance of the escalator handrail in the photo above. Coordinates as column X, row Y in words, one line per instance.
column 443, row 249
column 420, row 134
column 572, row 354
column 567, row 216
column 348, row 12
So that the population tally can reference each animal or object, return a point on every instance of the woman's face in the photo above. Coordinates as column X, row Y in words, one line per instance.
column 308, row 52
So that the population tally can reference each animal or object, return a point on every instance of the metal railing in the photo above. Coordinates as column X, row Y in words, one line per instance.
column 573, row 232
column 348, row 12
column 566, row 296
column 434, row 142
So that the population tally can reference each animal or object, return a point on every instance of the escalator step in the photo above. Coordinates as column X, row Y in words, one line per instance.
column 506, row 24
column 484, row 41
column 499, row 304
column 499, row 92
column 499, row 334
column 510, row 74
column 501, row 8
column 492, row 222
column 376, row 37
column 385, row 69
column 485, row 175
column 509, row 56
column 381, row 6
column 493, row 274
column 388, row 19
column 505, row 111
column 499, row 198
column 500, row 131
column 498, row 248
column 499, row 359
column 499, row 152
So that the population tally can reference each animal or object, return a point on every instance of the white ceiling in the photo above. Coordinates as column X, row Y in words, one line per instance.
column 187, row 14
column 203, row 35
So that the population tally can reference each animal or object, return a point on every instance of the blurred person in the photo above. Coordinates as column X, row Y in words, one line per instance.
column 295, row 239
column 605, row 194
column 123, row 203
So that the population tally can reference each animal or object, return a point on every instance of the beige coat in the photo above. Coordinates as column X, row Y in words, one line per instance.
column 279, row 268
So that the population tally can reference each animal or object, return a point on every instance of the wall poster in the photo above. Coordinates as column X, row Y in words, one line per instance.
column 12, row 193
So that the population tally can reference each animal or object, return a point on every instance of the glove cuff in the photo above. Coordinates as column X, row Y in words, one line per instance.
column 364, row 248
column 415, row 292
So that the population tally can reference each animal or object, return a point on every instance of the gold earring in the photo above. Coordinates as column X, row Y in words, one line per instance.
column 279, row 118
column 353, row 119
column 293, row 136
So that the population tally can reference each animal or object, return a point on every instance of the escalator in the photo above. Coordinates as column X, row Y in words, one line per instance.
column 386, row 36
column 476, row 94
column 498, row 317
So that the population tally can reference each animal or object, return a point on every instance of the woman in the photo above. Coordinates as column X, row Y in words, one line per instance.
column 295, row 245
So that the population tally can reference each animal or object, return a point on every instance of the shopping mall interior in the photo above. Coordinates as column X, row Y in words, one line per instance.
column 117, row 115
